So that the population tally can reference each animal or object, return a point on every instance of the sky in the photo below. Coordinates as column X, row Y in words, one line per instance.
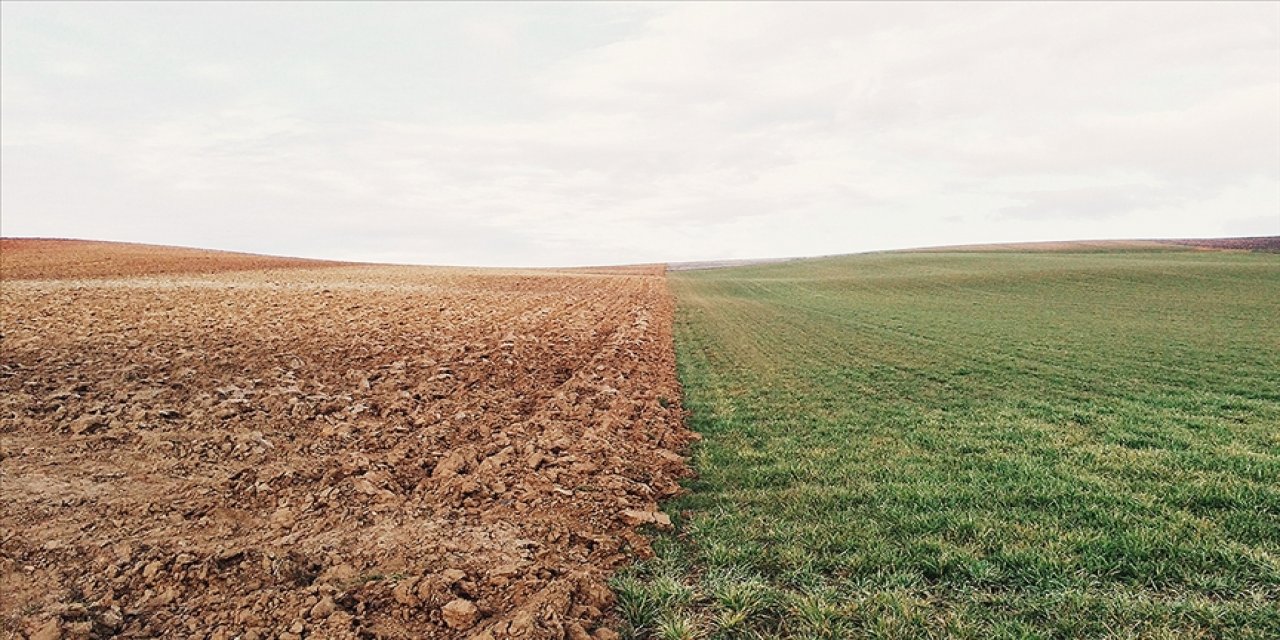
column 584, row 133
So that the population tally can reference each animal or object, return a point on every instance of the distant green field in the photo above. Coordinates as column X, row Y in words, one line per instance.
column 1021, row 445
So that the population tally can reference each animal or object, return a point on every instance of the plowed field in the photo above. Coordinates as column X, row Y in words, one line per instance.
column 348, row 451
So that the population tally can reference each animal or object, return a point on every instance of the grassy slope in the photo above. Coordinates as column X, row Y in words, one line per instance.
column 977, row 445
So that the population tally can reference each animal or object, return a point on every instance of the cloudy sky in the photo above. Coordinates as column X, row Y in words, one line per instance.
column 559, row 134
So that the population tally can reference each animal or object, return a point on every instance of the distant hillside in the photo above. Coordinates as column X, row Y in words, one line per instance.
column 720, row 264
column 1259, row 243
column 57, row 259
column 60, row 259
column 1269, row 244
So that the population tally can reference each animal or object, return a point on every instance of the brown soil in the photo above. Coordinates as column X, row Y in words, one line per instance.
column 1269, row 244
column 1264, row 243
column 355, row 451
column 35, row 258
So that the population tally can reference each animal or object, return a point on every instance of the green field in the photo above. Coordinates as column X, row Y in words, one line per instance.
column 1022, row 445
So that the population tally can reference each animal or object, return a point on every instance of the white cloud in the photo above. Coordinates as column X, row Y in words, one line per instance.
column 507, row 134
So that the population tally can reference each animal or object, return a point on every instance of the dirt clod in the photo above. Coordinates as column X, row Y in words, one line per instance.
column 50, row 630
column 636, row 517
column 460, row 614
column 323, row 609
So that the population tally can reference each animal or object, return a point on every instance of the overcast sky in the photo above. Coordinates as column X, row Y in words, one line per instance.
column 560, row 134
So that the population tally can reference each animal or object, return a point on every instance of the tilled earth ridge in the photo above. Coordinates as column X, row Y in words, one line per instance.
column 55, row 258
column 331, row 453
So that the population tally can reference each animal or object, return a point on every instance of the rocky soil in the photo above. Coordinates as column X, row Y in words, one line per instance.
column 337, row 452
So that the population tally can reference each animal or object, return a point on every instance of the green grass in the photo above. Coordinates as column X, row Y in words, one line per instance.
column 1008, row 445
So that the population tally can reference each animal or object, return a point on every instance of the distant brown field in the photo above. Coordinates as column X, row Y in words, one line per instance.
column 1261, row 243
column 42, row 258
column 353, row 451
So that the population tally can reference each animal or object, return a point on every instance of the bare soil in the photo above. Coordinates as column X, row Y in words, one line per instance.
column 1270, row 244
column 37, row 258
column 337, row 452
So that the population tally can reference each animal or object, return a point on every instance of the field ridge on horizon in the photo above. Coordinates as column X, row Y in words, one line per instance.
column 30, row 257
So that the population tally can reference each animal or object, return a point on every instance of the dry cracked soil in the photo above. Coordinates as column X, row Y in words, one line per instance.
column 207, row 445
